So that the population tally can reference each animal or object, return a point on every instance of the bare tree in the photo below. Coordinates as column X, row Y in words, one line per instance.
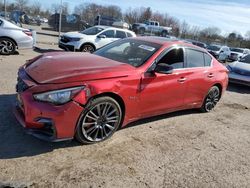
column 247, row 35
column 65, row 8
column 112, row 11
column 21, row 4
column 55, row 8
column 194, row 32
column 89, row 11
column 131, row 15
column 146, row 13
column 36, row 8
column 184, row 29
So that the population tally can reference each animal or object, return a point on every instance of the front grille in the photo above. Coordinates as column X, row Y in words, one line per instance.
column 21, row 86
column 65, row 39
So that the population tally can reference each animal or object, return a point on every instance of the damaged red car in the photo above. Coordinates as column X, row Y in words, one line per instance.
column 64, row 95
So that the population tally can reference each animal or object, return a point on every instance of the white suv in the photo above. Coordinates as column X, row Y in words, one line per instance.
column 219, row 52
column 237, row 53
column 92, row 38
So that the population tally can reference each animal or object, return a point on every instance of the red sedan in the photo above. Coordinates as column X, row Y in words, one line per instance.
column 64, row 95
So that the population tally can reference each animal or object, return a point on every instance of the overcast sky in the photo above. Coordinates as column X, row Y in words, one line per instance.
column 228, row 15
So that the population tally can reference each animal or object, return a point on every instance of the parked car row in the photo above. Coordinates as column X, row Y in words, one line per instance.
column 220, row 52
column 238, row 53
column 239, row 71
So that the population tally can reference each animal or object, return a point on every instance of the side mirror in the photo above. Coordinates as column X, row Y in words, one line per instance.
column 163, row 68
column 101, row 36
column 222, row 51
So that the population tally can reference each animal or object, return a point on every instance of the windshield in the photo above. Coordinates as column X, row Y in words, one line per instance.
column 237, row 50
column 245, row 59
column 129, row 51
column 92, row 31
column 213, row 47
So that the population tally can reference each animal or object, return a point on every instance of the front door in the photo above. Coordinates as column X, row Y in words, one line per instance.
column 109, row 37
column 161, row 93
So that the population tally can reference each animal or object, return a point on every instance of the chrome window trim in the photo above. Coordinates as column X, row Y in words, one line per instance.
column 165, row 51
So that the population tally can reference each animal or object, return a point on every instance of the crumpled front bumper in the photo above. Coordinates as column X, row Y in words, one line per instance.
column 46, row 121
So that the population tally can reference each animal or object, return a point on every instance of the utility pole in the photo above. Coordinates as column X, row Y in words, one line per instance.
column 5, row 12
column 60, row 19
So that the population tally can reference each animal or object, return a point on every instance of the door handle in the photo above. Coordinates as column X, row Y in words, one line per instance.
column 182, row 79
column 210, row 75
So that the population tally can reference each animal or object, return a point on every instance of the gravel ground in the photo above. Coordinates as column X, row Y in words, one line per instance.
column 182, row 149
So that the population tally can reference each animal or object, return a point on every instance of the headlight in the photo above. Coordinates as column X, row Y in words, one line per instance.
column 58, row 96
column 75, row 39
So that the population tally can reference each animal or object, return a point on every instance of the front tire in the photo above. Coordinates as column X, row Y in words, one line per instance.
column 211, row 99
column 7, row 46
column 99, row 120
column 88, row 48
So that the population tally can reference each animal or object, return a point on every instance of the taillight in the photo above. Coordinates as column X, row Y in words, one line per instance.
column 27, row 32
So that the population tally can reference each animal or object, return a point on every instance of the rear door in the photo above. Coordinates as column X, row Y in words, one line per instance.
column 120, row 34
column 200, row 78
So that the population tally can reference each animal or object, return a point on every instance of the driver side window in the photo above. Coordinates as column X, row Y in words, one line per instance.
column 109, row 33
column 174, row 58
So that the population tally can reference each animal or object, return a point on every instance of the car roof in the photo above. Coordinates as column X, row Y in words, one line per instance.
column 110, row 27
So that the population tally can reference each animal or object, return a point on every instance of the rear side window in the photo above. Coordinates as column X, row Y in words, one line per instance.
column 207, row 60
column 195, row 58
column 120, row 34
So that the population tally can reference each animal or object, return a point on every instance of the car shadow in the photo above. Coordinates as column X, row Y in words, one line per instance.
column 160, row 117
column 238, row 88
column 44, row 50
column 15, row 143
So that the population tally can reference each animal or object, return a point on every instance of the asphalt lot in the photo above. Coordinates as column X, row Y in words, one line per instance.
column 181, row 149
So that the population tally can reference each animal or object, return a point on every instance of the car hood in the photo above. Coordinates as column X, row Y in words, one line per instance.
column 65, row 67
column 75, row 35
column 240, row 68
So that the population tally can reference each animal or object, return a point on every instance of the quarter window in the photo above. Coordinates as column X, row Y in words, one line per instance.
column 129, row 35
column 195, row 58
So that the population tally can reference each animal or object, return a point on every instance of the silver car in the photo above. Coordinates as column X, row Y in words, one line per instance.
column 239, row 71
column 13, row 37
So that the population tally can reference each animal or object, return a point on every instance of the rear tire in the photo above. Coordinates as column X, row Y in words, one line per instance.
column 164, row 33
column 141, row 31
column 7, row 46
column 211, row 99
column 98, row 122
